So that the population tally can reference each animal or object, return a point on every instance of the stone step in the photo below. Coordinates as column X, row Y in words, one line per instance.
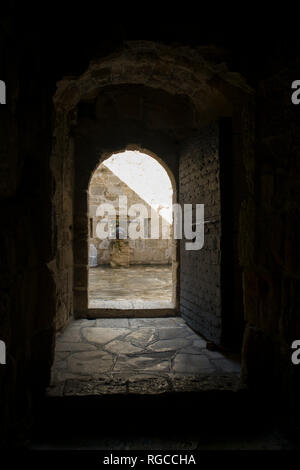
column 188, row 405
column 147, row 384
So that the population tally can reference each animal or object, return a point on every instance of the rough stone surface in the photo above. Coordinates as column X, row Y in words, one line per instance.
column 103, row 335
column 74, row 347
column 142, row 336
column 122, row 347
column 200, row 274
column 91, row 362
column 169, row 344
column 133, row 356
column 192, row 364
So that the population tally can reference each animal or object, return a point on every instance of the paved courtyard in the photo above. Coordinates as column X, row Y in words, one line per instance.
column 134, row 355
column 139, row 286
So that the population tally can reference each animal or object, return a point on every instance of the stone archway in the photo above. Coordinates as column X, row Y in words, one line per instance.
column 202, row 90
column 142, row 254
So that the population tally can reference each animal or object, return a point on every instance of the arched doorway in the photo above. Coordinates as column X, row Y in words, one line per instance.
column 102, row 113
column 132, row 252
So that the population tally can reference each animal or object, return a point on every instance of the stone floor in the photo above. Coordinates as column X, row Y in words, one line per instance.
column 135, row 355
column 140, row 287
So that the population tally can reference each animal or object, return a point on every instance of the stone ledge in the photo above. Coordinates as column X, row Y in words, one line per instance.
column 147, row 384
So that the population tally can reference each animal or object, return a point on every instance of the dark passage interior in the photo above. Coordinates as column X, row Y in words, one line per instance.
column 100, row 332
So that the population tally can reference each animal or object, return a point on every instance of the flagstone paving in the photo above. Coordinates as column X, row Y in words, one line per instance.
column 135, row 355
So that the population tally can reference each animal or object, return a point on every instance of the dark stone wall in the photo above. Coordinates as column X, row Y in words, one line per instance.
column 271, row 270
column 200, row 272
column 27, row 294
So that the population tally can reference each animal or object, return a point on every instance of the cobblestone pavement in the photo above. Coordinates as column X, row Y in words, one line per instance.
column 135, row 355
column 133, row 287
